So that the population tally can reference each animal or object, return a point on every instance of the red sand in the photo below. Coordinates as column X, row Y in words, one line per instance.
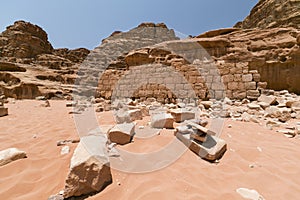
column 35, row 129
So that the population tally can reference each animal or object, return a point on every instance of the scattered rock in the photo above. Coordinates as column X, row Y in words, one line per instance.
column 249, row 194
column 121, row 133
column 181, row 115
column 10, row 155
column 65, row 150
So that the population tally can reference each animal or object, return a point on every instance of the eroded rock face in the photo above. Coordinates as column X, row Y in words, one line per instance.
column 90, row 168
column 24, row 40
column 273, row 13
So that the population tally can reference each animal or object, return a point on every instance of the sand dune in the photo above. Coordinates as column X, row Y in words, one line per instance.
column 256, row 158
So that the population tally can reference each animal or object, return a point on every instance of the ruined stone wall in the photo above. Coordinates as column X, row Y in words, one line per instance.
column 179, row 80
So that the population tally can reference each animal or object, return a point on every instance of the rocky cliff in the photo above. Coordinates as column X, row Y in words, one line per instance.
column 29, row 66
column 272, row 14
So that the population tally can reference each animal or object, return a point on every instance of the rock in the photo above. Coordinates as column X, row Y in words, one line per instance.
column 288, row 133
column 285, row 115
column 195, row 134
column 270, row 100
column 10, row 155
column 212, row 149
column 41, row 98
column 71, row 104
column 24, row 40
column 56, row 197
column 201, row 128
column 183, row 130
column 198, row 137
column 253, row 106
column 90, row 168
column 181, row 115
column 65, row 142
column 249, row 194
column 297, row 130
column 200, row 122
column 121, row 133
column 3, row 111
column 123, row 116
column 273, row 112
column 65, row 150
column 207, row 104
column 246, row 117
column 281, row 14
column 264, row 105
column 162, row 120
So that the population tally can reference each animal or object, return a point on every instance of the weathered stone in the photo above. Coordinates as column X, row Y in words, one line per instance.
column 249, row 194
column 253, row 106
column 273, row 112
column 207, row 104
column 124, row 116
column 212, row 149
column 121, row 133
column 10, row 155
column 181, row 115
column 3, row 111
column 271, row 100
column 162, row 120
column 247, row 78
column 264, row 105
column 90, row 167
column 56, row 197
column 201, row 128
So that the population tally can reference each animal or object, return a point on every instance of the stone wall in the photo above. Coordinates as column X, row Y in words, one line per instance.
column 167, row 77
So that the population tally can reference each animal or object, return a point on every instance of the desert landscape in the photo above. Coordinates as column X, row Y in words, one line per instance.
column 149, row 115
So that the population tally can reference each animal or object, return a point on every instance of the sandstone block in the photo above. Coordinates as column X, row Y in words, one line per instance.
column 162, row 120
column 181, row 115
column 90, row 167
column 121, row 133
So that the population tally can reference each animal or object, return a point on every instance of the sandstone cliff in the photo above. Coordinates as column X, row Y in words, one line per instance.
column 29, row 66
column 272, row 14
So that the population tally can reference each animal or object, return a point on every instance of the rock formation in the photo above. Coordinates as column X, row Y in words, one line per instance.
column 272, row 14
column 24, row 40
column 25, row 48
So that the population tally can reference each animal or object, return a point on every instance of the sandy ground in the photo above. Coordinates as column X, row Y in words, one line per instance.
column 34, row 129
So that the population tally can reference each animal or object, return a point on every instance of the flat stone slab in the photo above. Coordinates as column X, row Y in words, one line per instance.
column 10, row 155
column 121, row 133
column 201, row 128
column 181, row 115
column 3, row 111
column 212, row 149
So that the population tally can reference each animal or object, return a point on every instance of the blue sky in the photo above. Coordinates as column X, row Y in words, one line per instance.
column 78, row 23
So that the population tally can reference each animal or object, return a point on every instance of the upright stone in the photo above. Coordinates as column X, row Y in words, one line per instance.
column 90, row 167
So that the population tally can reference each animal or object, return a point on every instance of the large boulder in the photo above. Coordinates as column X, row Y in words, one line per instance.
column 90, row 167
column 10, row 155
column 121, row 133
